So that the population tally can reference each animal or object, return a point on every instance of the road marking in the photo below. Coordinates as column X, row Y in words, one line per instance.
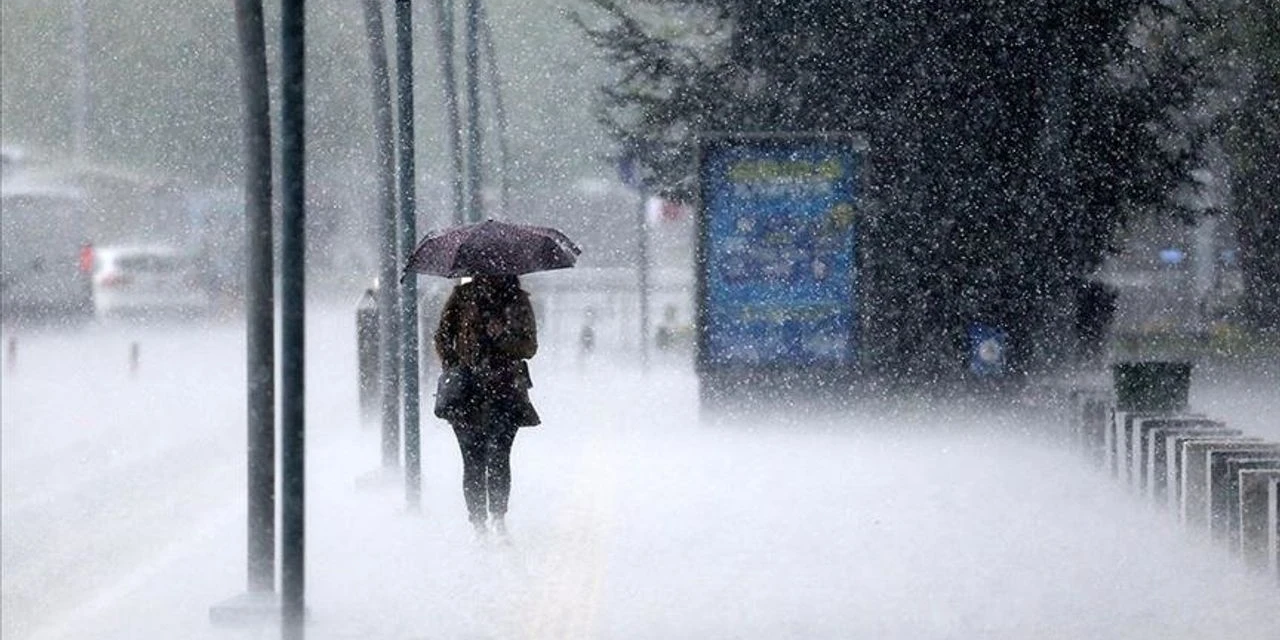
column 567, row 605
column 72, row 623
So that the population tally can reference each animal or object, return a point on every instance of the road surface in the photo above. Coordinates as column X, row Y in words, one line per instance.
column 123, row 513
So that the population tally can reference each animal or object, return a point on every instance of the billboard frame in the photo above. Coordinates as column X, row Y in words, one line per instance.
column 716, row 377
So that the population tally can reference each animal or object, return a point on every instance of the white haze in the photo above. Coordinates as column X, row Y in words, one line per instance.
column 123, row 513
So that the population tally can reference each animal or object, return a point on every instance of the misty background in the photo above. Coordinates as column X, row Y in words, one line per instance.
column 163, row 107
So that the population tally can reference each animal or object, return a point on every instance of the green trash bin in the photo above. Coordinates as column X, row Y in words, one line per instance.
column 1158, row 387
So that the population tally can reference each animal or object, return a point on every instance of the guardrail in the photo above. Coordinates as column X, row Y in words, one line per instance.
column 1215, row 480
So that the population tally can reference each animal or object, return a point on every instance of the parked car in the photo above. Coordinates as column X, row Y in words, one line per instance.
column 147, row 280
column 44, row 268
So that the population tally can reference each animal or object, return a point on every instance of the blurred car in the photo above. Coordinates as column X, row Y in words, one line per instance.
column 147, row 280
column 44, row 249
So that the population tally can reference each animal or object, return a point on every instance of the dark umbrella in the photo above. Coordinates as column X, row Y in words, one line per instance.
column 492, row 247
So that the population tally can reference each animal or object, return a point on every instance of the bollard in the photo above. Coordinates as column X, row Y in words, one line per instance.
column 1154, row 387
column 1196, row 457
column 1258, row 530
column 1158, row 469
column 586, row 341
column 1139, row 436
column 1118, row 456
column 370, row 386
column 1093, row 425
column 1224, row 491
column 1089, row 412
column 134, row 358
column 1221, row 475
column 1174, row 462
column 1273, row 527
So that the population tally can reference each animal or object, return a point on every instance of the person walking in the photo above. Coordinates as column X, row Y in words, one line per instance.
column 487, row 332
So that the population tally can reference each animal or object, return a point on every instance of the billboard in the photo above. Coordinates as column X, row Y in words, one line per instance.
column 778, row 251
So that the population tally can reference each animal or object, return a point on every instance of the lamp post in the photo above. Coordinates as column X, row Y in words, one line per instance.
column 472, row 76
column 629, row 173
column 80, row 79
column 388, row 320
column 408, row 237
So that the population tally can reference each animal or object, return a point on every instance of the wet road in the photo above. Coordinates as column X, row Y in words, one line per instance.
column 123, row 514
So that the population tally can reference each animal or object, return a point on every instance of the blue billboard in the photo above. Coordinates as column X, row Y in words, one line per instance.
column 778, row 281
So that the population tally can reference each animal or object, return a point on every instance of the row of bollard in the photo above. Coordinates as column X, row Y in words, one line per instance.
column 1214, row 479
column 11, row 356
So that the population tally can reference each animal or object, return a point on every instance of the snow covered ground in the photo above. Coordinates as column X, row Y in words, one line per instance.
column 123, row 514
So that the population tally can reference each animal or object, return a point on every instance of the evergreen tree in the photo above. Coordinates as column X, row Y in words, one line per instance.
column 1223, row 59
column 1003, row 159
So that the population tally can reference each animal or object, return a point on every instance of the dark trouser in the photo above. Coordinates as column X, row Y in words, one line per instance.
column 486, row 469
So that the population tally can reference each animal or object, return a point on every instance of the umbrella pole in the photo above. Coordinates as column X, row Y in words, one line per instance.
column 408, row 235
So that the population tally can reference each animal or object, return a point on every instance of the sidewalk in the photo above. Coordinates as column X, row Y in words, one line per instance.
column 631, row 520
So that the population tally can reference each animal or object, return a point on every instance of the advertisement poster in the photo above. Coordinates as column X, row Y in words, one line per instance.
column 778, row 252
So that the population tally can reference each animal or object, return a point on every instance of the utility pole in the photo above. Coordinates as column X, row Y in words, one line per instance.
column 408, row 238
column 499, row 111
column 475, row 210
column 642, row 262
column 388, row 339
column 259, row 297
column 259, row 602
column 80, row 80
column 293, row 318
column 444, row 39
column 629, row 174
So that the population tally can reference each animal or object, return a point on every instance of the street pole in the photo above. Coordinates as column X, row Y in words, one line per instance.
column 408, row 238
column 474, row 152
column 388, row 351
column 444, row 47
column 80, row 80
column 259, row 298
column 292, row 317
column 642, row 258
column 499, row 111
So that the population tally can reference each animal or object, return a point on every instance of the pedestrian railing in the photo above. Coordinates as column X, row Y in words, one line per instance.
column 1215, row 480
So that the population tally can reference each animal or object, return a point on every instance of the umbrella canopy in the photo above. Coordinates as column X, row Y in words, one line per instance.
column 492, row 247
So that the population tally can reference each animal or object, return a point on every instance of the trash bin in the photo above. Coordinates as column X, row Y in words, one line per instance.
column 367, row 354
column 1152, row 386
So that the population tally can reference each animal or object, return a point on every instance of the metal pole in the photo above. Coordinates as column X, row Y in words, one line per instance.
column 642, row 258
column 408, row 238
column 259, row 297
column 80, row 80
column 499, row 110
column 474, row 152
column 444, row 41
column 292, row 316
column 388, row 352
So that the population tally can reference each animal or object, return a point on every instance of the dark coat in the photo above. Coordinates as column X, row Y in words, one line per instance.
column 490, row 332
